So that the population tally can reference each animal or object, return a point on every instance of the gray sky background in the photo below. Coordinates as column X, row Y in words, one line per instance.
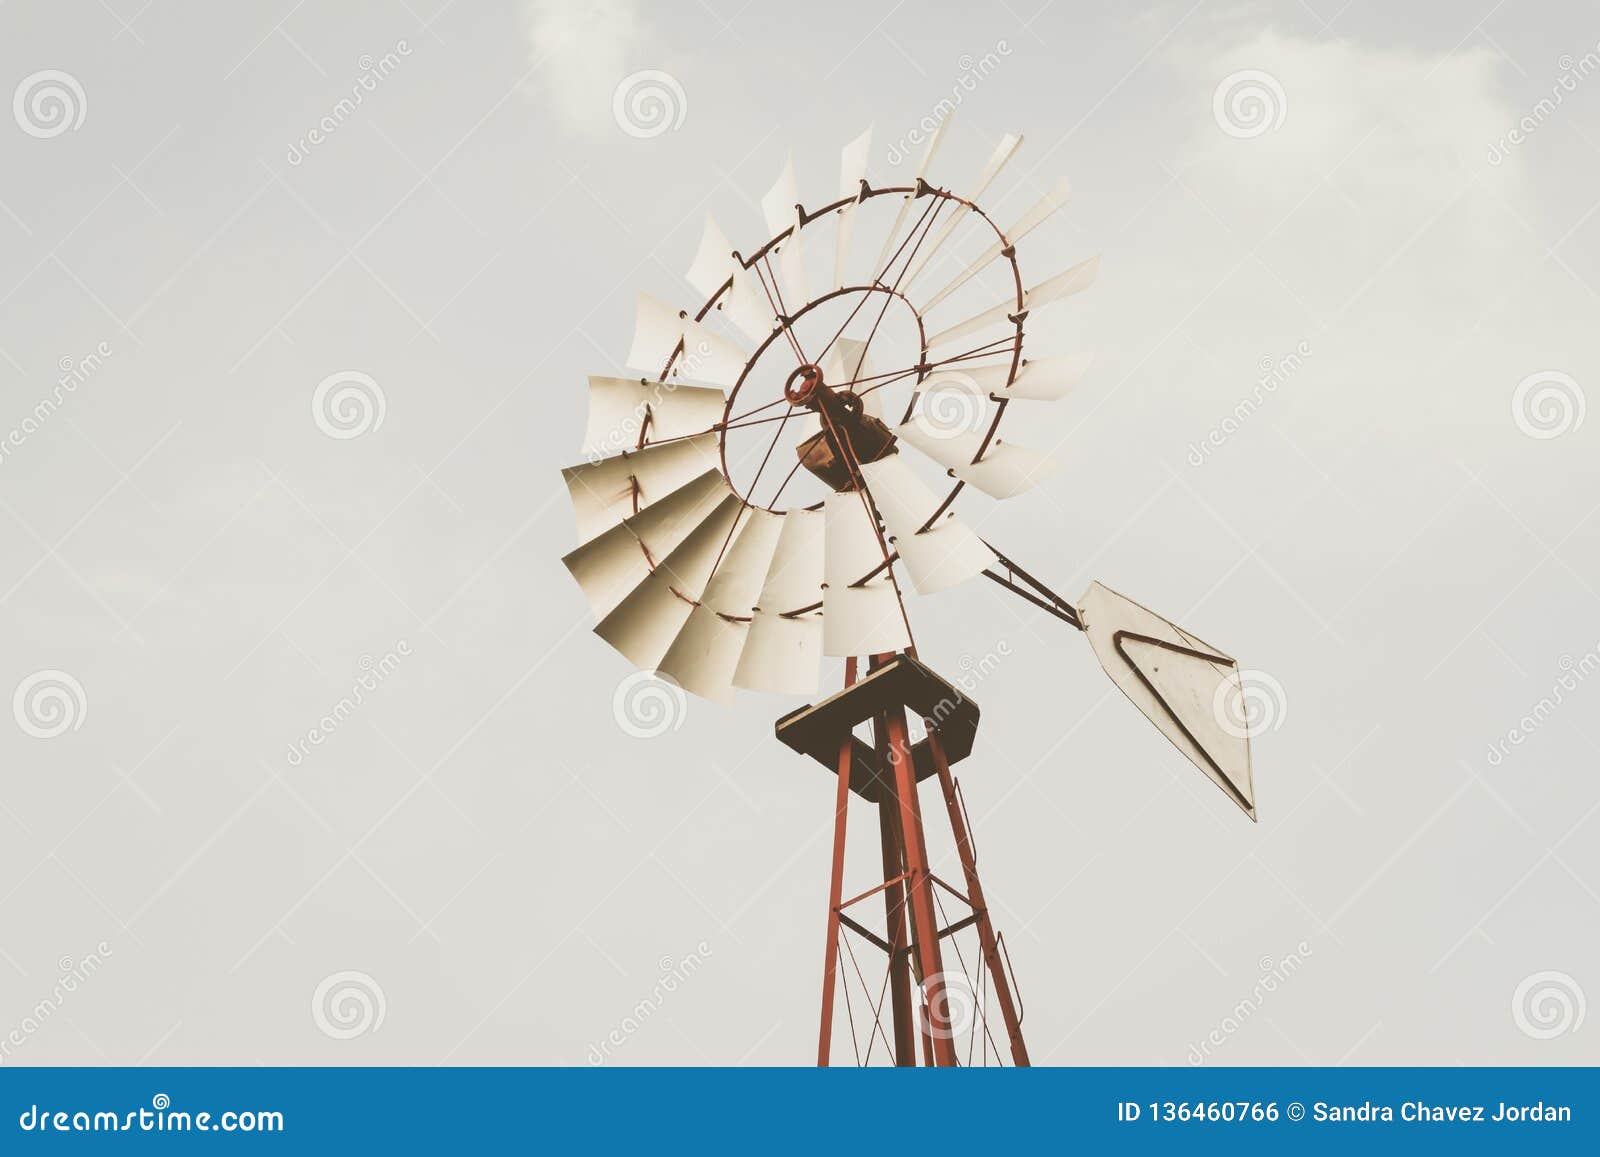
column 505, row 870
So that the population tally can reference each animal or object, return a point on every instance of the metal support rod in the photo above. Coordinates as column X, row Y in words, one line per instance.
column 1040, row 595
column 830, row 965
column 894, row 908
column 980, row 908
column 919, row 886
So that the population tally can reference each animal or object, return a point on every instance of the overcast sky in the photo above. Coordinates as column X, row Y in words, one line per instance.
column 205, row 553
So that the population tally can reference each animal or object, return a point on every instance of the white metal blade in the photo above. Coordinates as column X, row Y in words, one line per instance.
column 1036, row 215
column 889, row 242
column 603, row 492
column 618, row 408
column 1038, row 379
column 1005, row 470
column 997, row 161
column 1177, row 681
column 856, row 620
column 607, row 568
column 1053, row 289
column 782, row 655
column 794, row 577
column 707, row 356
column 713, row 261
column 942, row 556
column 645, row 623
column 705, row 653
column 852, row 170
column 780, row 207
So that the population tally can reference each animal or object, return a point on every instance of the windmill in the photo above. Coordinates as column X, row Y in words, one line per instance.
column 872, row 422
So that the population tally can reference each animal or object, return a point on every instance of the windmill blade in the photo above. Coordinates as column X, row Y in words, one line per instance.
column 852, row 171
column 878, row 269
column 856, row 620
column 945, row 554
column 609, row 567
column 1178, row 681
column 714, row 264
column 783, row 652
column 1036, row 215
column 1004, row 471
column 707, row 356
column 620, row 408
column 1053, row 289
column 781, row 208
column 1038, row 379
column 644, row 624
column 604, row 493
column 713, row 261
column 1003, row 152
column 706, row 652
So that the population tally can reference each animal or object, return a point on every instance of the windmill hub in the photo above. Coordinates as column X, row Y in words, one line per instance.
column 850, row 437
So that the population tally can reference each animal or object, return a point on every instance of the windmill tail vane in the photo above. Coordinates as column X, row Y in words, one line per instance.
column 768, row 496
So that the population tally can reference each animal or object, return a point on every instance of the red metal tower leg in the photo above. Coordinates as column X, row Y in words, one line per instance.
column 980, row 909
column 919, row 885
column 830, row 965
column 894, row 903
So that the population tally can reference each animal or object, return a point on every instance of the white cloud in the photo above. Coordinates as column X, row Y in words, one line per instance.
column 581, row 52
